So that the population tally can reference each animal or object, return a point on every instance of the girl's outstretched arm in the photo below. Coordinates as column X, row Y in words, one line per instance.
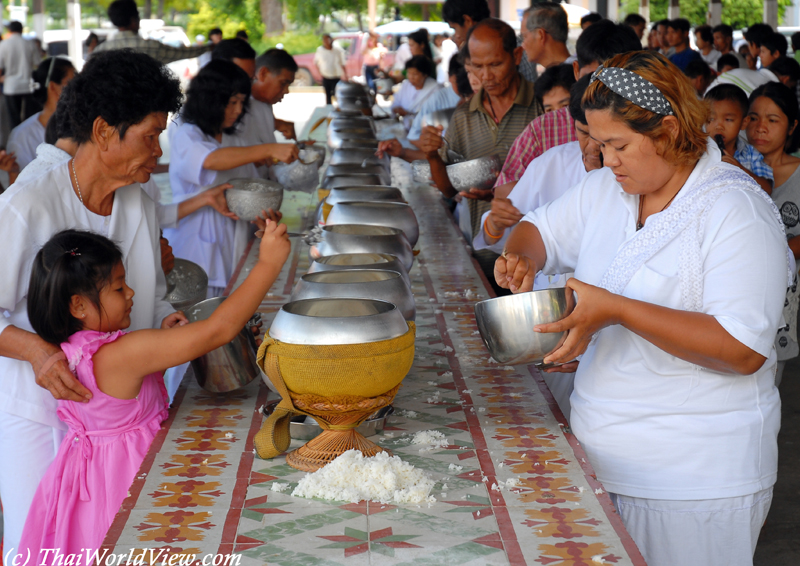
column 121, row 365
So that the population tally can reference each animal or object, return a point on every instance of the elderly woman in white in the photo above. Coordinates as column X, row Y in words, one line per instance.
column 680, row 269
column 117, row 106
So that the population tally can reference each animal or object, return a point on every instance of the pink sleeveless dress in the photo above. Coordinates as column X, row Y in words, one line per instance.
column 97, row 462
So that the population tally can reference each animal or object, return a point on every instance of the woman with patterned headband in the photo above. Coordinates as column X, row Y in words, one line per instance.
column 680, row 268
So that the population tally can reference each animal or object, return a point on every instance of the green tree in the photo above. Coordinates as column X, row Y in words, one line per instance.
column 228, row 15
column 736, row 13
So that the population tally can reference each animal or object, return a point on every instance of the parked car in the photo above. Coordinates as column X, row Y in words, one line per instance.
column 353, row 43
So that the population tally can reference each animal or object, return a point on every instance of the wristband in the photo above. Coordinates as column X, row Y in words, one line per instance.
column 51, row 361
column 489, row 232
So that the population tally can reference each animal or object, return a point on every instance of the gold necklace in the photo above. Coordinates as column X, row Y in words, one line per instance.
column 77, row 185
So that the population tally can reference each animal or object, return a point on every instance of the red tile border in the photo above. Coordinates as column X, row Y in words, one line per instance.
column 580, row 456
column 243, row 474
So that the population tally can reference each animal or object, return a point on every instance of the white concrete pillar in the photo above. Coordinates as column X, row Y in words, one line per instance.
column 674, row 10
column 644, row 10
column 75, row 46
column 613, row 10
column 715, row 13
column 771, row 13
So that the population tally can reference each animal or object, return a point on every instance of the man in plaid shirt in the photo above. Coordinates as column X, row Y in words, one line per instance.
column 125, row 16
column 596, row 44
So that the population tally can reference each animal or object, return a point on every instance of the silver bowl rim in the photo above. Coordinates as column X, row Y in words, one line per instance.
column 391, row 305
column 356, row 270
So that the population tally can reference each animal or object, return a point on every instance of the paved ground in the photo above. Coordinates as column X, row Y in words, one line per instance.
column 779, row 544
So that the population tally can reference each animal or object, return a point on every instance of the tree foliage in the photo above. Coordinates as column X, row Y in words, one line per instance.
column 736, row 13
column 228, row 15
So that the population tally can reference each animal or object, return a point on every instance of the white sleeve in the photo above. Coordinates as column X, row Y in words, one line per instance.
column 189, row 152
column 161, row 307
column 18, row 255
column 562, row 222
column 167, row 215
column 744, row 269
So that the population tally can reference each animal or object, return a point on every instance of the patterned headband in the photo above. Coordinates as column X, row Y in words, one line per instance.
column 631, row 86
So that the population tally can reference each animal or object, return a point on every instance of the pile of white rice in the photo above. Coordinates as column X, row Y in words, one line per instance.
column 382, row 478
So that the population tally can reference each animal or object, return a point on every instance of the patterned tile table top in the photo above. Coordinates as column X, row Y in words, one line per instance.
column 202, row 491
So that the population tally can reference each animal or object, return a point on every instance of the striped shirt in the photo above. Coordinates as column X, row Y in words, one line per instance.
column 548, row 130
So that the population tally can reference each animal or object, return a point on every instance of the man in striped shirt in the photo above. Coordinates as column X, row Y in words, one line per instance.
column 488, row 125
column 596, row 44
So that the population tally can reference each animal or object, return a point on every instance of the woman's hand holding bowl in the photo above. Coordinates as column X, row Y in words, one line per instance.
column 216, row 199
column 596, row 308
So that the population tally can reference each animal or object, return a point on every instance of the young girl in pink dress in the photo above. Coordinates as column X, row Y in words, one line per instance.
column 78, row 298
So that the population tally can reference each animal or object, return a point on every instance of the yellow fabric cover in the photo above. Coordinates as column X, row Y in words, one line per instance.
column 322, row 194
column 326, row 210
column 362, row 370
column 355, row 371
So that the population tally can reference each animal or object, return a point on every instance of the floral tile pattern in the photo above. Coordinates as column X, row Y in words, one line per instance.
column 512, row 484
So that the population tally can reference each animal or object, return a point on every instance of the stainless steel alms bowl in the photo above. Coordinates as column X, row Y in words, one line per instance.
column 344, row 262
column 359, row 238
column 377, row 213
column 249, row 197
column 358, row 284
column 356, row 170
column 347, row 88
column 354, row 144
column 359, row 156
column 364, row 193
column 335, row 181
column 478, row 173
column 337, row 321
column 335, row 137
column 302, row 174
column 506, row 324
column 187, row 284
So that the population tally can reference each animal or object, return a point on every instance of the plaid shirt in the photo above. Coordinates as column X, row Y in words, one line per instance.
column 752, row 160
column 548, row 130
column 161, row 52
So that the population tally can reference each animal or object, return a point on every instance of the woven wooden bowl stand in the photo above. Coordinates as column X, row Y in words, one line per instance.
column 338, row 419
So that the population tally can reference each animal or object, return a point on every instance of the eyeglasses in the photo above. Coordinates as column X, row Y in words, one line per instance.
column 50, row 72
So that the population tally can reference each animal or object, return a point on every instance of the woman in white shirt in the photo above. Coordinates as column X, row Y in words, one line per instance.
column 117, row 106
column 51, row 76
column 415, row 90
column 202, row 157
column 680, row 267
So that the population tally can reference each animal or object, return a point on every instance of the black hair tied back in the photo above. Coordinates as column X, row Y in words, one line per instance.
column 70, row 263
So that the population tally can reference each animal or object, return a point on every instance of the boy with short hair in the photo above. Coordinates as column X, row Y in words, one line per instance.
column 727, row 62
column 772, row 47
column 727, row 118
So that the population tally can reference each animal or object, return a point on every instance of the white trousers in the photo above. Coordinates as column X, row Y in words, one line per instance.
column 27, row 448
column 709, row 532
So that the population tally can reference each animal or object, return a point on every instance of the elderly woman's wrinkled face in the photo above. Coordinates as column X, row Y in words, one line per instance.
column 632, row 157
column 416, row 78
column 136, row 155
column 233, row 110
